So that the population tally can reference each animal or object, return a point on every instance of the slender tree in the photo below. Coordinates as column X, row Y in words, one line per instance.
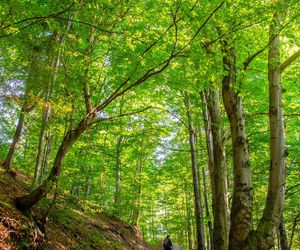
column 196, row 177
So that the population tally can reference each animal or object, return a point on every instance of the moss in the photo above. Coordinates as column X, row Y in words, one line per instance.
column 5, row 203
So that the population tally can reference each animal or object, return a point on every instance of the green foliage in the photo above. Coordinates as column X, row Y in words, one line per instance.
column 64, row 45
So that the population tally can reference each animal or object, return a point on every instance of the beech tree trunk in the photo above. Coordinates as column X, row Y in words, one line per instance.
column 54, row 64
column 9, row 158
column 196, row 184
column 217, row 163
column 276, row 189
column 188, row 218
column 24, row 109
column 46, row 157
column 284, row 245
column 241, row 210
column 137, row 191
column 211, row 243
column 45, row 119
column 118, row 162
column 118, row 172
column 296, row 220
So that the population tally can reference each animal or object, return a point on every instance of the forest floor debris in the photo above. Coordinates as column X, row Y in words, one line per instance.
column 66, row 228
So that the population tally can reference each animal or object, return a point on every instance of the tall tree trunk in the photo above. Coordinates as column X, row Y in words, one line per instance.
column 296, row 220
column 46, row 157
column 88, row 183
column 24, row 109
column 284, row 245
column 211, row 242
column 120, row 138
column 54, row 64
column 118, row 172
column 217, row 167
column 9, row 158
column 241, row 210
column 276, row 189
column 188, row 217
column 45, row 119
column 196, row 184
column 137, row 191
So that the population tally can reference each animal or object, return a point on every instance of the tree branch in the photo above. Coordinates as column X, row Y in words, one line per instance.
column 121, row 115
column 289, row 61
column 37, row 20
column 252, row 57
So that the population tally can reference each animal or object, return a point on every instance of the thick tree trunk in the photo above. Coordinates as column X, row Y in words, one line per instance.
column 196, row 184
column 276, row 189
column 241, row 210
column 217, row 163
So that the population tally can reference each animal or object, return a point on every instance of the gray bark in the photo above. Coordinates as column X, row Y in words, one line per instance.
column 241, row 210
column 196, row 184
column 276, row 188
column 217, row 166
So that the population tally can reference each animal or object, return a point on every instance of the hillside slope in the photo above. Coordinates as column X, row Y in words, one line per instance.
column 66, row 227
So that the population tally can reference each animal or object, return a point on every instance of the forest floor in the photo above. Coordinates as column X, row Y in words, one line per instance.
column 67, row 227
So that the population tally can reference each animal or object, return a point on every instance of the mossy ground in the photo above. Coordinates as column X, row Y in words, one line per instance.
column 67, row 227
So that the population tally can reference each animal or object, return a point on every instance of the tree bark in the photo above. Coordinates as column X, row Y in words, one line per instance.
column 211, row 242
column 118, row 172
column 54, row 64
column 137, row 191
column 46, row 157
column 45, row 119
column 24, row 109
column 296, row 220
column 276, row 189
column 217, row 163
column 188, row 217
column 284, row 245
column 196, row 184
column 241, row 210
column 9, row 158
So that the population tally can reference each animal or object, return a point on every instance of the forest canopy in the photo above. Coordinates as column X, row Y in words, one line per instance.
column 179, row 117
